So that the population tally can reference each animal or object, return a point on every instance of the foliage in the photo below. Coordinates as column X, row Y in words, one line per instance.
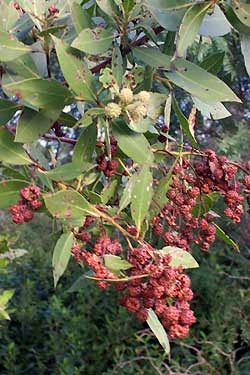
column 130, row 185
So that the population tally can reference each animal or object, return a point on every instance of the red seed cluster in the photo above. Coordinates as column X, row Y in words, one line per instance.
column 95, row 260
column 108, row 167
column 29, row 202
column 52, row 10
column 165, row 289
column 161, row 137
column 176, row 222
column 151, row 283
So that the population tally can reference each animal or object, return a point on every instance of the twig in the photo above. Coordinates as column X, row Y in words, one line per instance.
column 124, row 279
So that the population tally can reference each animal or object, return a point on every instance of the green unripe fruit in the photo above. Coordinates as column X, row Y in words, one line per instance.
column 126, row 95
column 113, row 110
column 143, row 96
column 137, row 111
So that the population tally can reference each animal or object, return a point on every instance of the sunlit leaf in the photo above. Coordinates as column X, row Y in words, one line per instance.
column 40, row 93
column 10, row 48
column 180, row 257
column 158, row 330
column 69, row 205
column 188, row 76
column 80, row 17
column 75, row 71
column 65, row 172
column 242, row 10
column 141, row 196
column 85, row 145
column 225, row 238
column 116, row 263
column 190, row 26
column 134, row 145
column 32, row 124
column 61, row 255
column 245, row 48
column 184, row 124
column 10, row 191
column 93, row 41
column 11, row 152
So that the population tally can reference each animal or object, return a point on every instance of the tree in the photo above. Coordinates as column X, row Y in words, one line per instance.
column 132, row 193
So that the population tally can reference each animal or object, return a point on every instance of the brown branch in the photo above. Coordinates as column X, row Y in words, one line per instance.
column 60, row 139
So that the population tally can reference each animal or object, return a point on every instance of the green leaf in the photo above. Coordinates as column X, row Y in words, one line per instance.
column 7, row 110
column 117, row 63
column 85, row 145
column 87, row 118
column 13, row 173
column 108, row 80
column 159, row 197
column 80, row 17
column 37, row 153
column 158, row 330
column 214, row 111
column 234, row 20
column 167, row 110
column 109, row 191
column 4, row 314
column 4, row 245
column 61, row 255
column 11, row 152
column 51, row 30
column 75, row 71
column 169, row 5
column 141, row 196
column 93, row 42
column 224, row 237
column 184, row 124
column 11, row 48
column 215, row 24
column 69, row 205
column 180, row 257
column 32, row 124
column 190, row 27
column 127, row 193
column 108, row 6
column 242, row 11
column 78, row 284
column 134, row 145
column 188, row 76
column 213, row 63
column 153, row 57
column 24, row 66
column 39, row 92
column 10, row 192
column 245, row 48
column 9, row 15
column 3, row 263
column 5, row 297
column 116, row 263
column 65, row 172
column 67, row 120
column 168, row 13
column 140, row 126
